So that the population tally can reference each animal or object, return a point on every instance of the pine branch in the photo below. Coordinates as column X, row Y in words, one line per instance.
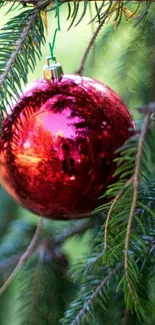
column 143, row 214
column 88, row 276
column 9, row 263
column 43, row 288
column 20, row 42
column 104, row 10
column 24, row 257
column 135, row 196
column 117, row 197
column 17, row 46
column 95, row 293
column 75, row 313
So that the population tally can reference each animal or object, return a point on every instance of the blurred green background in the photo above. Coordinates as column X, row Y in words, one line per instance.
column 123, row 58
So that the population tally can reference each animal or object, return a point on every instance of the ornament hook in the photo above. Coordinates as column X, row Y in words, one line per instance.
column 53, row 71
column 51, row 45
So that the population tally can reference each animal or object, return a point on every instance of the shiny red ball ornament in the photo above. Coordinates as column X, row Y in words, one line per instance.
column 58, row 144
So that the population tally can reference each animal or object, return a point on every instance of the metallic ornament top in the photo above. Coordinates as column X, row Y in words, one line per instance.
column 58, row 145
column 52, row 71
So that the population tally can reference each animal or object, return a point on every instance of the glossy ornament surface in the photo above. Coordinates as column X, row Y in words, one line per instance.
column 58, row 144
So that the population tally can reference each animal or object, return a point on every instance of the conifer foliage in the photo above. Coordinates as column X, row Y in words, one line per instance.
column 114, row 283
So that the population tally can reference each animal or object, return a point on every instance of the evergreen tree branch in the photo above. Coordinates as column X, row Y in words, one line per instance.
column 92, row 297
column 135, row 197
column 104, row 10
column 17, row 47
column 117, row 197
column 143, row 215
column 20, row 42
column 23, row 259
column 79, row 228
column 44, row 289
column 36, row 3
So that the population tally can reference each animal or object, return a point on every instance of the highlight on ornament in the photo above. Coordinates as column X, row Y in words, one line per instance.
column 58, row 145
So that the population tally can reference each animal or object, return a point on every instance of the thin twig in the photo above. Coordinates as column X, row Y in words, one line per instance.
column 36, row 3
column 79, row 228
column 110, row 211
column 95, row 293
column 92, row 32
column 91, row 43
column 135, row 195
column 23, row 259
column 125, row 317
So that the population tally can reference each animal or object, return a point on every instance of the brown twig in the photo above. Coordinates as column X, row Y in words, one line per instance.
column 125, row 317
column 92, row 32
column 36, row 3
column 91, row 43
column 110, row 211
column 23, row 258
column 135, row 195
column 79, row 228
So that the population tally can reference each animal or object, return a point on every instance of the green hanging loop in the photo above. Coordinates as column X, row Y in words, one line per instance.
column 51, row 45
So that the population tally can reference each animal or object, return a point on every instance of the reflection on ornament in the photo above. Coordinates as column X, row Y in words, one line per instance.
column 57, row 148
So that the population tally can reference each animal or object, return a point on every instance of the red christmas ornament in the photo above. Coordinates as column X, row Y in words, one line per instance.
column 58, row 145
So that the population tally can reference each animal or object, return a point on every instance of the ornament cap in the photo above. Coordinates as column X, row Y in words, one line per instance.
column 52, row 71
